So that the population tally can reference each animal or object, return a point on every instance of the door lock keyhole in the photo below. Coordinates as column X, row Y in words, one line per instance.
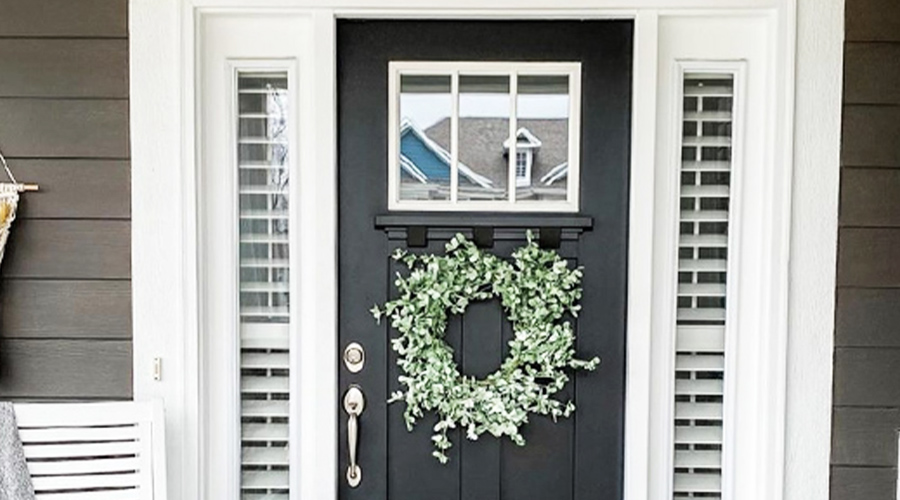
column 354, row 357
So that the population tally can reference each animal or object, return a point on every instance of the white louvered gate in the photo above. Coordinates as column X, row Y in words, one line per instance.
column 264, row 294
column 708, row 102
column 95, row 451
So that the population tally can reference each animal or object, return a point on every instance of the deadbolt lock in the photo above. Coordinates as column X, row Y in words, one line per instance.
column 354, row 357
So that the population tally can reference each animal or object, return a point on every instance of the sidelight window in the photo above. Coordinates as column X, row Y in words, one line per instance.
column 703, row 255
column 493, row 136
column 264, row 290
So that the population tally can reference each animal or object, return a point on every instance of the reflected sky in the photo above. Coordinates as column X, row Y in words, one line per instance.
column 424, row 111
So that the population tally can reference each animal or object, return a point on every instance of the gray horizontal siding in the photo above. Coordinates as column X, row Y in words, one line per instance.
column 870, row 136
column 866, row 399
column 868, row 317
column 76, row 309
column 872, row 21
column 864, row 430
column 65, row 368
column 870, row 197
column 871, row 73
column 76, row 189
column 863, row 483
column 69, row 128
column 64, row 68
column 73, row 249
column 65, row 292
column 868, row 257
column 64, row 18
column 859, row 368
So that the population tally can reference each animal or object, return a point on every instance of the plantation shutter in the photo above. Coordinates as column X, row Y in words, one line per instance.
column 264, row 294
column 702, row 278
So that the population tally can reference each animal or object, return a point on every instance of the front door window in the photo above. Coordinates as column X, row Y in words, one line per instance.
column 462, row 133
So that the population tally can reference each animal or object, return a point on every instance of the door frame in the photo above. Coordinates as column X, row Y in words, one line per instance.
column 165, row 243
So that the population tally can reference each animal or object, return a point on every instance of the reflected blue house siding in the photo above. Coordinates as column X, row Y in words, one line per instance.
column 433, row 166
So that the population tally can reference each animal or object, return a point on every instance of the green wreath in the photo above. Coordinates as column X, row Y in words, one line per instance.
column 536, row 290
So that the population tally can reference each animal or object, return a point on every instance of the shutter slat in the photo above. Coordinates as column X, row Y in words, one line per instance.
column 257, row 455
column 698, row 459
column 271, row 385
column 265, row 480
column 704, row 314
column 265, row 360
column 256, row 189
column 698, row 387
column 698, row 411
column 704, row 216
column 708, row 116
column 710, row 141
column 709, row 91
column 263, row 214
column 265, row 496
column 265, row 409
column 265, row 312
column 698, row 483
column 262, row 140
column 705, row 166
column 705, row 191
column 702, row 265
column 699, row 362
column 702, row 289
column 258, row 166
column 264, row 432
column 267, row 263
column 698, row 435
column 267, row 286
column 271, row 238
column 703, row 240
column 700, row 338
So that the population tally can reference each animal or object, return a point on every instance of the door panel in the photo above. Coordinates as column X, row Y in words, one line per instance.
column 575, row 458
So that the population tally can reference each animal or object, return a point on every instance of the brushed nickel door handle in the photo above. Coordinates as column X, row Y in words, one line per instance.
column 354, row 404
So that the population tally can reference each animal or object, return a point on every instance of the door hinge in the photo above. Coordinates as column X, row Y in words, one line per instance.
column 157, row 369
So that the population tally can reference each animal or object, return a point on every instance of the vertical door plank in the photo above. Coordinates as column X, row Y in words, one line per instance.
column 484, row 325
column 413, row 471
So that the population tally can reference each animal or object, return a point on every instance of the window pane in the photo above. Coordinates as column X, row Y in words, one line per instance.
column 484, row 106
column 425, row 109
column 542, row 112
column 264, row 294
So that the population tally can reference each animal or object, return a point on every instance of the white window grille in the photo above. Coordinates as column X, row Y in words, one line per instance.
column 455, row 129
column 264, row 295
column 706, row 147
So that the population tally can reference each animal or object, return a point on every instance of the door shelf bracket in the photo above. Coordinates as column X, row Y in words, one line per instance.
column 416, row 230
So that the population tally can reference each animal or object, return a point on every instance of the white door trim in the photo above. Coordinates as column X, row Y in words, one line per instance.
column 164, row 214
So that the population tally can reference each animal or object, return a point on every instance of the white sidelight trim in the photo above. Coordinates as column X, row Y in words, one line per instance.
column 641, row 209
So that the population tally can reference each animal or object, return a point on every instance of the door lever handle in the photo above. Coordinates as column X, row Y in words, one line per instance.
column 354, row 404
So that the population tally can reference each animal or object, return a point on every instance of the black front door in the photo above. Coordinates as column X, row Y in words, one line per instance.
column 577, row 458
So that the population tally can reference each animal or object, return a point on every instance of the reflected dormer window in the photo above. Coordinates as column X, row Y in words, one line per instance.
column 523, row 167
